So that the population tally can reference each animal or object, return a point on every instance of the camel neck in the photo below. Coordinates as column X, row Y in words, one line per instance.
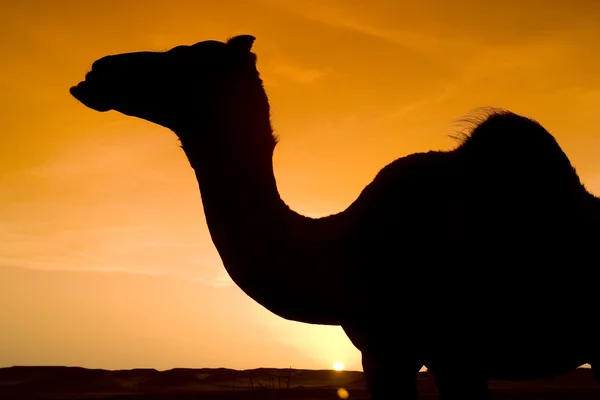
column 271, row 252
column 231, row 152
column 239, row 193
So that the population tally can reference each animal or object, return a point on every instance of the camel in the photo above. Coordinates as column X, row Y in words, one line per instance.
column 474, row 262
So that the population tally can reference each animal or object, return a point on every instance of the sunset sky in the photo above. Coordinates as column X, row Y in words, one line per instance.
column 105, row 257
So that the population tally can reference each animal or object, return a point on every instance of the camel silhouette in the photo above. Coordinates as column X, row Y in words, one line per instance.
column 475, row 262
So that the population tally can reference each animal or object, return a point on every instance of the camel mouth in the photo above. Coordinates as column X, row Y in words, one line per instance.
column 90, row 96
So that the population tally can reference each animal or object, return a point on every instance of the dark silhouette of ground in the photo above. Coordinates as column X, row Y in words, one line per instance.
column 476, row 262
column 50, row 383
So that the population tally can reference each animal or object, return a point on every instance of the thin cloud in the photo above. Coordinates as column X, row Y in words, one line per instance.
column 342, row 16
column 218, row 281
column 299, row 74
column 69, row 263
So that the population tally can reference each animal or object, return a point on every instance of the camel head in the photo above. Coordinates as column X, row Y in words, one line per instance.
column 168, row 88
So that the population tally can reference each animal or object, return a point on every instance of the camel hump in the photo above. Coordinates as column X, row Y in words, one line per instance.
column 507, row 146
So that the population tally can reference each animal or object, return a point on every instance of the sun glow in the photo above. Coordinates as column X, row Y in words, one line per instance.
column 338, row 366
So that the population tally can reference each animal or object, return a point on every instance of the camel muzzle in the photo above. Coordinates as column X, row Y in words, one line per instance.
column 89, row 96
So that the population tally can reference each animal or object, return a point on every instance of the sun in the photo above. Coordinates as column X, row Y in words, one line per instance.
column 338, row 366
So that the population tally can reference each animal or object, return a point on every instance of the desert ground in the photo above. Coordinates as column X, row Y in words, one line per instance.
column 71, row 383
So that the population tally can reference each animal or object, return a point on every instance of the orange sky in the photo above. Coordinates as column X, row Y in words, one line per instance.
column 105, row 258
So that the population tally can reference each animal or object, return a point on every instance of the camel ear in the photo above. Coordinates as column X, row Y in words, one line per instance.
column 241, row 44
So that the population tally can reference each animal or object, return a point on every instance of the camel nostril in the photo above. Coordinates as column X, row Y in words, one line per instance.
column 100, row 63
column 94, row 78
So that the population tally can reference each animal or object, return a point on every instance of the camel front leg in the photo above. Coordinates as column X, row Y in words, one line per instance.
column 595, row 364
column 596, row 373
column 389, row 378
column 459, row 381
